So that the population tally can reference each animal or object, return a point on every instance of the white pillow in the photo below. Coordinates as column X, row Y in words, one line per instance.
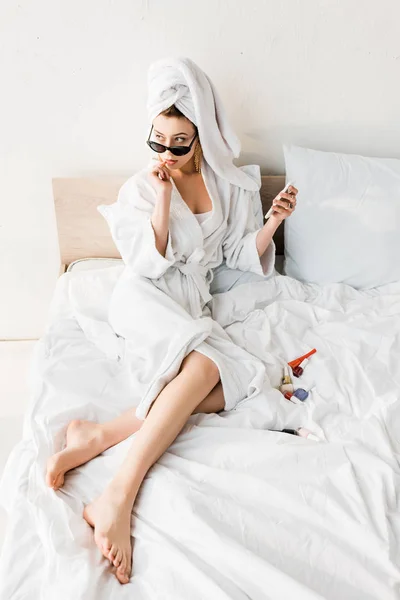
column 346, row 227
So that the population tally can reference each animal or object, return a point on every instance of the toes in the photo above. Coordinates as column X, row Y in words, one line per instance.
column 117, row 559
column 58, row 482
column 54, row 478
column 54, row 482
column 122, row 576
column 105, row 551
column 123, row 572
column 112, row 554
column 105, row 547
column 102, row 543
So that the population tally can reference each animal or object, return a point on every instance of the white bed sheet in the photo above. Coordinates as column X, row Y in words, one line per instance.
column 232, row 510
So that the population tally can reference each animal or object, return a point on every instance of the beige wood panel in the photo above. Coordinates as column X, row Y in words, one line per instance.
column 83, row 232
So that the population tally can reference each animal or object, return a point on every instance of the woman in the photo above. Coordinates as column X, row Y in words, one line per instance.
column 173, row 223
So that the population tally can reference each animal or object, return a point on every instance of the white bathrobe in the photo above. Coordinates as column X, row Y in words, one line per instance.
column 159, row 304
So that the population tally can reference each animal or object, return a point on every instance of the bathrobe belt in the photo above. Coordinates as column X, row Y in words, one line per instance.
column 201, row 276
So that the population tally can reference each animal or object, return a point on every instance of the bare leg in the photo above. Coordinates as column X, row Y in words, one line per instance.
column 110, row 514
column 214, row 403
column 86, row 439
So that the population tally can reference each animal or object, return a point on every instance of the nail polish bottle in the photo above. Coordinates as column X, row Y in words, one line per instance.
column 301, row 394
column 286, row 385
column 292, row 397
column 292, row 431
column 299, row 370
column 303, row 432
column 297, row 361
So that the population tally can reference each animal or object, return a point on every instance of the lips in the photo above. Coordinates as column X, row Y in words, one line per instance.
column 171, row 162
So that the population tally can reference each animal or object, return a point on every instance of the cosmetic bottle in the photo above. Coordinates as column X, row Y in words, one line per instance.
column 286, row 385
column 303, row 432
column 299, row 370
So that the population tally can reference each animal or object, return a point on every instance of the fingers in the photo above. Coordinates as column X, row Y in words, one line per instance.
column 285, row 203
column 283, row 212
column 164, row 169
column 161, row 171
column 289, row 198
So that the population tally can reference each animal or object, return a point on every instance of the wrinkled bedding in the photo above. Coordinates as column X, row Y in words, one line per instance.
column 233, row 510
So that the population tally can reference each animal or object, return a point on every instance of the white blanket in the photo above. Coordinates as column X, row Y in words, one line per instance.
column 232, row 510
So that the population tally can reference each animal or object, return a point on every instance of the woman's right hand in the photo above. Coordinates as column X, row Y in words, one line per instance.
column 160, row 178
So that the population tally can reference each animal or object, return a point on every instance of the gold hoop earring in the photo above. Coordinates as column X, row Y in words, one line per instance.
column 197, row 158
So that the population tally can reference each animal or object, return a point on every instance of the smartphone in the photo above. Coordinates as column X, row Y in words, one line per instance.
column 285, row 189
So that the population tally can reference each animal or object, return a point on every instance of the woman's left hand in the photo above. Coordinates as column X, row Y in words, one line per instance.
column 284, row 204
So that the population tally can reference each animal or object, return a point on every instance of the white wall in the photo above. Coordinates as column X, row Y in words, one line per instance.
column 318, row 73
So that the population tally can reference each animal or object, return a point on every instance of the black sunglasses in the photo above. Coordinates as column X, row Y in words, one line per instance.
column 175, row 150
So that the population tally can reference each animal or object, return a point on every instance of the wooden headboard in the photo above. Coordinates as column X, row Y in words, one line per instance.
column 83, row 231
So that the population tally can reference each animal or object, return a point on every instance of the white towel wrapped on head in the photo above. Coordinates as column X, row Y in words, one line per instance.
column 181, row 82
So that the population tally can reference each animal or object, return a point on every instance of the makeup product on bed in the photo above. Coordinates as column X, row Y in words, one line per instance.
column 303, row 432
column 292, row 398
column 285, row 189
column 292, row 431
column 286, row 385
column 299, row 370
column 286, row 376
column 297, row 361
column 300, row 395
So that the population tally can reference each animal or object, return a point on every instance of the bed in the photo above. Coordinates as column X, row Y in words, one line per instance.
column 235, row 509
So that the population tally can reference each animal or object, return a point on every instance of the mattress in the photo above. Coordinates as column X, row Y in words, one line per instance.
column 234, row 509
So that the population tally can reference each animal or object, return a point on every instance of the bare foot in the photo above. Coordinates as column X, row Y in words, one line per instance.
column 110, row 515
column 84, row 442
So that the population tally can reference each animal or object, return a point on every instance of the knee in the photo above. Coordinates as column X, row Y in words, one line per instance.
column 207, row 369
column 203, row 366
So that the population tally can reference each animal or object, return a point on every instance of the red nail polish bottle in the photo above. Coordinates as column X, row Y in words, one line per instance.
column 299, row 370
